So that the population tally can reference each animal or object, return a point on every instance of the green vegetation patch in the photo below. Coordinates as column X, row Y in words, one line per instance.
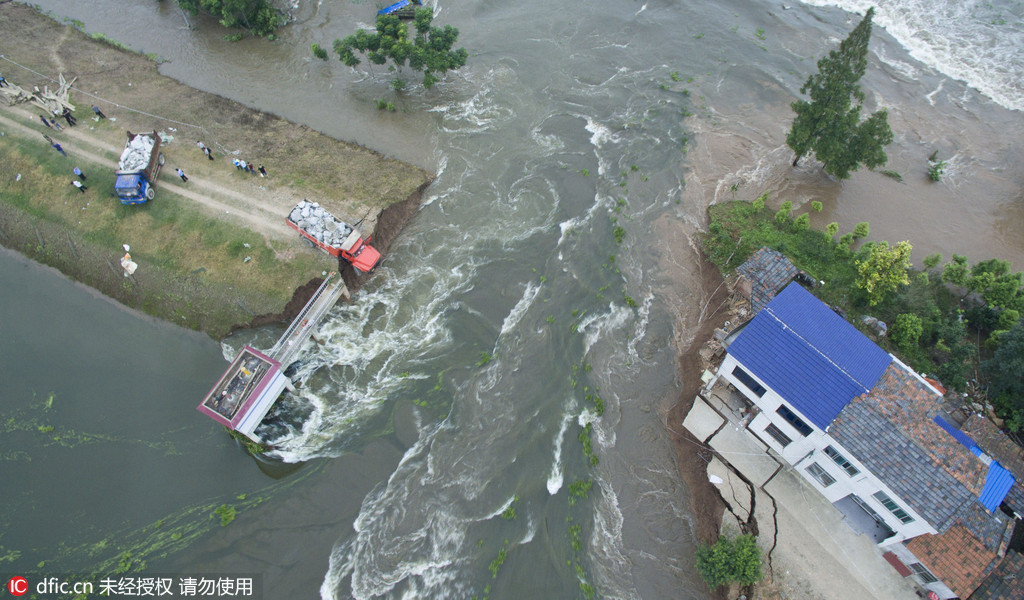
column 730, row 560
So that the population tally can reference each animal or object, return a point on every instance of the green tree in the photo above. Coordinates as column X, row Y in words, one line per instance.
column 932, row 260
column 953, row 352
column 830, row 124
column 429, row 51
column 906, row 331
column 884, row 270
column 730, row 560
column 1005, row 374
column 258, row 16
column 861, row 230
column 994, row 281
column 956, row 271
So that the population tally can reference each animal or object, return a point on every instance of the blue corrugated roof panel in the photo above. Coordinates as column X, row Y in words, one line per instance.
column 809, row 355
column 964, row 439
column 387, row 10
column 998, row 482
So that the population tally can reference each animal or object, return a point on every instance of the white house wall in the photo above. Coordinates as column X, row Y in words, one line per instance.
column 810, row 449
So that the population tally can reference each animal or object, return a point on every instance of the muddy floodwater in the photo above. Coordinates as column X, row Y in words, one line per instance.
column 433, row 447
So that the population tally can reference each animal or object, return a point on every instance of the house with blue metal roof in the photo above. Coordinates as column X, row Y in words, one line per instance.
column 868, row 433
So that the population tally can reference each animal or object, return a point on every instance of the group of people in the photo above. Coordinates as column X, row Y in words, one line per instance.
column 205, row 149
column 78, row 184
column 52, row 122
column 241, row 165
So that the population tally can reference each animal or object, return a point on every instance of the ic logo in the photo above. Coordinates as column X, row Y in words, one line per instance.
column 18, row 586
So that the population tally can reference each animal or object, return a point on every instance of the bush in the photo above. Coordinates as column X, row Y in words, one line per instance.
column 802, row 222
column 832, row 229
column 861, row 230
column 759, row 203
column 319, row 52
column 782, row 216
column 932, row 260
column 816, row 206
column 730, row 560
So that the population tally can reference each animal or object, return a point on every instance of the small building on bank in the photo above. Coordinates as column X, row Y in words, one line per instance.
column 870, row 435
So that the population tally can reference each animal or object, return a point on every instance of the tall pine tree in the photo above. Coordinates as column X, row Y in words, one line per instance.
column 830, row 125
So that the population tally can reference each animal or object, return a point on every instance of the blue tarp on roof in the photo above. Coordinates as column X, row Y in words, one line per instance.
column 998, row 480
column 964, row 439
column 809, row 355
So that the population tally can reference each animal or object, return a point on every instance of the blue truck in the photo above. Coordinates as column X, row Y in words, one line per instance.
column 138, row 168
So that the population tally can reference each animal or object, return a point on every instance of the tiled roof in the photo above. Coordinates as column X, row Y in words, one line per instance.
column 998, row 479
column 995, row 443
column 893, row 432
column 1005, row 582
column 956, row 557
column 1015, row 498
column 768, row 272
column 909, row 404
column 992, row 529
column 809, row 355
column 901, row 464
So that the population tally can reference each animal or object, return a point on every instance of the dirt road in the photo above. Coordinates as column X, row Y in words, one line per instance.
column 218, row 188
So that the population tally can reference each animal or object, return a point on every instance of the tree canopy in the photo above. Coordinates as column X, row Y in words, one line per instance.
column 884, row 270
column 429, row 51
column 830, row 124
column 1005, row 372
column 258, row 16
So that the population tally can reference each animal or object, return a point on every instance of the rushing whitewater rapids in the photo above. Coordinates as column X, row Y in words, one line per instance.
column 438, row 422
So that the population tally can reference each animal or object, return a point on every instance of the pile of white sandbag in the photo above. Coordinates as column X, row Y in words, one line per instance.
column 317, row 222
column 137, row 153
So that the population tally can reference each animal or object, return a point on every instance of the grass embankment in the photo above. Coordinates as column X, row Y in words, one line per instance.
column 193, row 269
column 939, row 323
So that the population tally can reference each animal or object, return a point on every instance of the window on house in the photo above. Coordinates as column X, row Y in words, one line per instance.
column 840, row 460
column 749, row 381
column 777, row 435
column 892, row 507
column 820, row 474
column 922, row 572
column 797, row 423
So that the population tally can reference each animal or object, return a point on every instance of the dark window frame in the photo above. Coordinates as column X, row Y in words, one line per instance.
column 892, row 507
column 923, row 572
column 748, row 381
column 843, row 462
column 794, row 420
column 778, row 435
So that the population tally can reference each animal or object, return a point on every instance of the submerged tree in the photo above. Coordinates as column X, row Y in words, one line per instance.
column 258, row 16
column 830, row 125
column 430, row 50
